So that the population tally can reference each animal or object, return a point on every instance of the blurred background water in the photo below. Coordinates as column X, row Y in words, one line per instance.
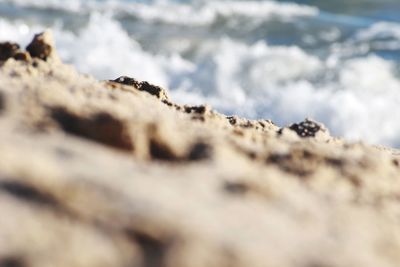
column 337, row 61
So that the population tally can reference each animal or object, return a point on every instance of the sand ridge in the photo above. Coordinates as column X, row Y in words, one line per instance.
column 113, row 173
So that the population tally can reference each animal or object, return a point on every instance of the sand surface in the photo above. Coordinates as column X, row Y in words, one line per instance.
column 112, row 173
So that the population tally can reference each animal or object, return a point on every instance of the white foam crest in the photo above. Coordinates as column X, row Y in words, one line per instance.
column 70, row 5
column 359, row 102
column 259, row 67
column 209, row 12
column 104, row 49
column 200, row 13
column 380, row 30
column 381, row 36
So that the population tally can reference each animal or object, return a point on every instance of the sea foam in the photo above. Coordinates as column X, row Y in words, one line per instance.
column 197, row 13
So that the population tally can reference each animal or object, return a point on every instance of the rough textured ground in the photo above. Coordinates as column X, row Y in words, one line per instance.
column 112, row 173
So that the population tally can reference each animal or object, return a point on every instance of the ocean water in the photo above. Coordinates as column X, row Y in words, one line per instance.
column 337, row 61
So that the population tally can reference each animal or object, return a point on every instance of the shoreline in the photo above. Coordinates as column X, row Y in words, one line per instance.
column 112, row 173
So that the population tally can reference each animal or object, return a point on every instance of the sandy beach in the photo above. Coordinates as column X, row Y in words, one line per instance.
column 113, row 173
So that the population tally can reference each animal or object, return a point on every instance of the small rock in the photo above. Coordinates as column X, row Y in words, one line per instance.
column 8, row 50
column 170, row 104
column 143, row 86
column 202, row 109
column 42, row 46
column 22, row 56
column 307, row 128
column 154, row 90
column 232, row 119
column 127, row 81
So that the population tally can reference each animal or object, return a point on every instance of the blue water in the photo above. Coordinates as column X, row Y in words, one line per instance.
column 337, row 61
